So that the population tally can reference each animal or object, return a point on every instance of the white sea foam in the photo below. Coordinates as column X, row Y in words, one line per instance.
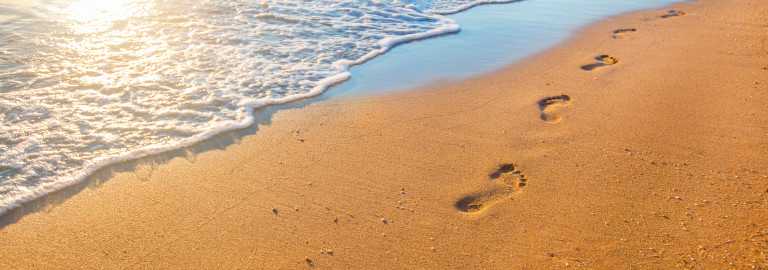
column 86, row 83
column 446, row 7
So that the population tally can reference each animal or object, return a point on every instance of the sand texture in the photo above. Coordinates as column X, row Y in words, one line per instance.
column 640, row 143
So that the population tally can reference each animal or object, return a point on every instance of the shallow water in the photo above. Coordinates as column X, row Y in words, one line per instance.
column 491, row 37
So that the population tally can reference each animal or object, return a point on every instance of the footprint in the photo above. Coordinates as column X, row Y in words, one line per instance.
column 672, row 13
column 477, row 202
column 511, row 181
column 550, row 105
column 605, row 60
column 622, row 33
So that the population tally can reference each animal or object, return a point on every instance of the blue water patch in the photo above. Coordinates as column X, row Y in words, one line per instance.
column 491, row 37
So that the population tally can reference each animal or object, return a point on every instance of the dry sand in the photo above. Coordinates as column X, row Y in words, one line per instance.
column 655, row 158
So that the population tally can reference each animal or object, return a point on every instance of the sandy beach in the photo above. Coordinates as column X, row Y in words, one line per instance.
column 640, row 143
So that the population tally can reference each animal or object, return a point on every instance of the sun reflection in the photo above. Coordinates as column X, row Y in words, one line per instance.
column 101, row 38
column 90, row 16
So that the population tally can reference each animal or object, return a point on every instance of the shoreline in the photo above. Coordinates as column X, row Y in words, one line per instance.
column 507, row 33
column 624, row 175
column 439, row 55
column 412, row 78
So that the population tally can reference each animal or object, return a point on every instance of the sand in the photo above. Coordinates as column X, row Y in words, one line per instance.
column 643, row 148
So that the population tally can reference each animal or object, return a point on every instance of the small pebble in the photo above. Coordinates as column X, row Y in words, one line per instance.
column 384, row 220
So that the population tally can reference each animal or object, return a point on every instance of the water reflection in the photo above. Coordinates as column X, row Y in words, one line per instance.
column 92, row 16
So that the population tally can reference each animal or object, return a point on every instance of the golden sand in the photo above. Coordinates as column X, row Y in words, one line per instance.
column 641, row 143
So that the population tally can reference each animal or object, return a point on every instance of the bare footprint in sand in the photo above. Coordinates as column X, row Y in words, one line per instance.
column 511, row 181
column 605, row 60
column 672, row 13
column 551, row 105
column 622, row 33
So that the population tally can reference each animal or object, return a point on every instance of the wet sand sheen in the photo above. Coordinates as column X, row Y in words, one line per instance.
column 638, row 171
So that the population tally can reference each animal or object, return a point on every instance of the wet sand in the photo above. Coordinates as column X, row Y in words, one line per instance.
column 640, row 143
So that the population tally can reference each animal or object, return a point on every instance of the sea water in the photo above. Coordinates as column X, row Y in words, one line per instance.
column 86, row 83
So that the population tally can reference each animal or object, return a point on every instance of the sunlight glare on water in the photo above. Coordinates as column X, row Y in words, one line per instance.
column 89, row 16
